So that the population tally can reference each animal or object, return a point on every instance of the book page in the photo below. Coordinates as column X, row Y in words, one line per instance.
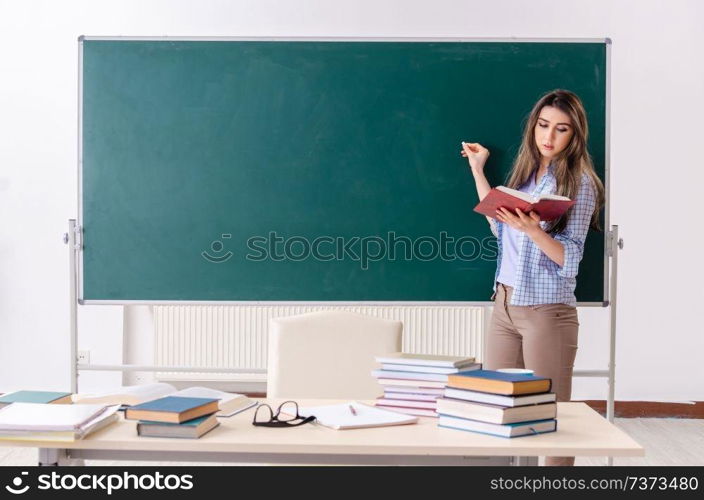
column 229, row 403
column 206, row 392
column 518, row 194
column 130, row 395
column 553, row 197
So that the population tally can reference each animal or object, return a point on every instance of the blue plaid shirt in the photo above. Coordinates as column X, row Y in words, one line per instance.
column 539, row 280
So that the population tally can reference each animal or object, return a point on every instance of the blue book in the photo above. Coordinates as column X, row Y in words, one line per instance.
column 499, row 383
column 43, row 397
column 172, row 409
column 516, row 429
column 190, row 429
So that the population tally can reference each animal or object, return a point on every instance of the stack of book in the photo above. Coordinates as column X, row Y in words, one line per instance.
column 53, row 422
column 174, row 416
column 413, row 382
column 500, row 404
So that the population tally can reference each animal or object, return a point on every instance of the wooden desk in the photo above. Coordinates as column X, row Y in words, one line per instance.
column 580, row 432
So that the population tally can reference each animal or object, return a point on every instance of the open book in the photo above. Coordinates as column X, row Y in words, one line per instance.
column 547, row 206
column 229, row 403
column 355, row 415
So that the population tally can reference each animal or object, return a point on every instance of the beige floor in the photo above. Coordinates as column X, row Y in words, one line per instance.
column 667, row 441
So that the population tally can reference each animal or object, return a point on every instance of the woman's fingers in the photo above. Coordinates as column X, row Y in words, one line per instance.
column 507, row 214
column 469, row 147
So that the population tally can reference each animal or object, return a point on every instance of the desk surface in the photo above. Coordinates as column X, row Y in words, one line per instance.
column 581, row 432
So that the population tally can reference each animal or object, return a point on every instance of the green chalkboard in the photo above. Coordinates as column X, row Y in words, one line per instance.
column 231, row 170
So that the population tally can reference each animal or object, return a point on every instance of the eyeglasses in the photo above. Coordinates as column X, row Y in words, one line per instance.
column 286, row 416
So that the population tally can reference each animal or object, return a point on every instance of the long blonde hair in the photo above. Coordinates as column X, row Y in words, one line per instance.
column 569, row 164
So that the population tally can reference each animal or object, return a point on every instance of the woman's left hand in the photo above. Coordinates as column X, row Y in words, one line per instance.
column 527, row 223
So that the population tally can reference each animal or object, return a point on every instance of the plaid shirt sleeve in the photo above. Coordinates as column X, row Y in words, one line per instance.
column 575, row 232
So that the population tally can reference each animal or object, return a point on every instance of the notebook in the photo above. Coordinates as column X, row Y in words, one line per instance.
column 355, row 415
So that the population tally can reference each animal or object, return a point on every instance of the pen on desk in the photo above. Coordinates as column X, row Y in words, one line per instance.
column 352, row 410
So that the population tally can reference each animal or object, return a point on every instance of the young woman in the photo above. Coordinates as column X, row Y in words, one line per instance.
column 534, row 324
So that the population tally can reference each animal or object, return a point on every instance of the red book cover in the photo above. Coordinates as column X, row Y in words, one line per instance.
column 511, row 199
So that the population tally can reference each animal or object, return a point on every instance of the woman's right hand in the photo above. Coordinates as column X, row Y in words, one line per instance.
column 476, row 154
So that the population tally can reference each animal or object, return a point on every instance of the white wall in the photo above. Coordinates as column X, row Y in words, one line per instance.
column 657, row 105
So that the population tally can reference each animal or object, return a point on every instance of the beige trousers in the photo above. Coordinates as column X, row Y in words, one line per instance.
column 542, row 338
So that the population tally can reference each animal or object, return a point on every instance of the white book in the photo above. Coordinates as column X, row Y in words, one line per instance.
column 425, row 359
column 420, row 385
column 409, row 396
column 355, row 415
column 505, row 430
column 407, row 403
column 498, row 399
column 49, row 417
column 485, row 412
column 431, row 377
column 428, row 369
column 406, row 375
column 414, row 390
column 421, row 412
column 102, row 420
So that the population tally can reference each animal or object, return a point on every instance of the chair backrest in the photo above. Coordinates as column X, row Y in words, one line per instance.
column 328, row 354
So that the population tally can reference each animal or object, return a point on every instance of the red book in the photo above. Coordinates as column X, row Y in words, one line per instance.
column 548, row 206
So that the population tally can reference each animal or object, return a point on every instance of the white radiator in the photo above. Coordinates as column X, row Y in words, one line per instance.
column 236, row 336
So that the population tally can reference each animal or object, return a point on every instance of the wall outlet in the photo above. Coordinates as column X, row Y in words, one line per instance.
column 84, row 357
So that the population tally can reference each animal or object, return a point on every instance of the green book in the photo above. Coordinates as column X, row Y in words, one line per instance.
column 190, row 429
column 172, row 409
column 43, row 397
